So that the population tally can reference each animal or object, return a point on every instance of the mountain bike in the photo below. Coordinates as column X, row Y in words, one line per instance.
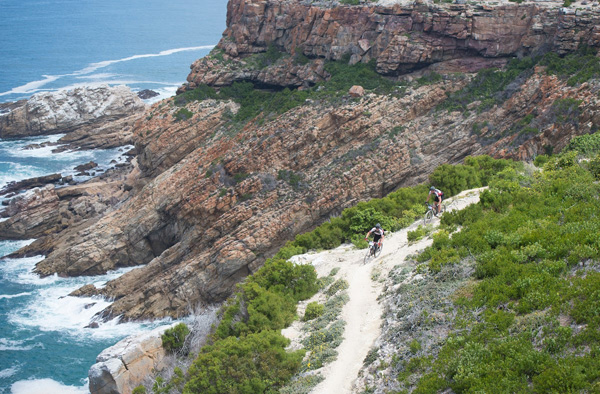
column 445, row 206
column 373, row 251
column 429, row 214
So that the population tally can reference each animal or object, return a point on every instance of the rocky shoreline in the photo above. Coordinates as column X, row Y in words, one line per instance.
column 205, row 199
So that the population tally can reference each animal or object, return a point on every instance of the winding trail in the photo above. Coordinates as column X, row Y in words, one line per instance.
column 363, row 312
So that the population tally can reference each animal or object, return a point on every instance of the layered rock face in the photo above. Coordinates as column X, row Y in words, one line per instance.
column 399, row 37
column 99, row 110
column 214, row 198
column 211, row 218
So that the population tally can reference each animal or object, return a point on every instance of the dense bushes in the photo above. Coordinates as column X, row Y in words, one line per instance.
column 255, row 363
column 576, row 67
column 488, row 86
column 476, row 172
column 255, row 101
column 536, row 251
column 494, row 86
column 248, row 354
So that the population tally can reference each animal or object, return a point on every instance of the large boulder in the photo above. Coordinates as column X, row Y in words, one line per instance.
column 65, row 111
column 122, row 367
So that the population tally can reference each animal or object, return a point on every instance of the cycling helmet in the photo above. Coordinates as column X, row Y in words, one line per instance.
column 432, row 188
column 378, row 225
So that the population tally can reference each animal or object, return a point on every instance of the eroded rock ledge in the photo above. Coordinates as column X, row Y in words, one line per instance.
column 209, row 204
column 399, row 37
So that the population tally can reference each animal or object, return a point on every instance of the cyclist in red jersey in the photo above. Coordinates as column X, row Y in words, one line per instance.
column 438, row 196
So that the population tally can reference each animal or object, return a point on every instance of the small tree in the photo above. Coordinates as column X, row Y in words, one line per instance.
column 174, row 338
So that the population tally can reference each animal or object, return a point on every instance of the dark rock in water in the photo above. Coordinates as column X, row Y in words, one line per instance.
column 86, row 166
column 92, row 325
column 30, row 183
column 146, row 94
column 38, row 146
column 88, row 306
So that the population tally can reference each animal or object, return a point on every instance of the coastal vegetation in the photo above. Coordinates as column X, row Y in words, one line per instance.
column 254, row 101
column 527, row 255
column 520, row 282
column 252, row 319
column 493, row 86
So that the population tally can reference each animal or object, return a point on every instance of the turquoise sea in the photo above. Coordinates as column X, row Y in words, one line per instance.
column 47, row 45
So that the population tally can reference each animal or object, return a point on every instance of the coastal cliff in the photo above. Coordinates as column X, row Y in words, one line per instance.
column 210, row 196
column 400, row 36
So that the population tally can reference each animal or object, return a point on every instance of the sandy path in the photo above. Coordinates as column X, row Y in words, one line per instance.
column 363, row 312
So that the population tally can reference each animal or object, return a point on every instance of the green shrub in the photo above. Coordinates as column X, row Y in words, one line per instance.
column 295, row 180
column 139, row 390
column 338, row 285
column 429, row 79
column 588, row 144
column 577, row 67
column 487, row 85
column 594, row 166
column 256, row 363
column 183, row 114
column 414, row 346
column 313, row 310
column 540, row 160
column 173, row 338
column 416, row 234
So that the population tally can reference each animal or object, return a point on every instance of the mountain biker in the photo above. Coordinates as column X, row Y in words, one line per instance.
column 438, row 196
column 378, row 233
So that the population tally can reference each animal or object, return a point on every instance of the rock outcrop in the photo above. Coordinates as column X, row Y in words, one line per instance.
column 122, row 367
column 400, row 37
column 81, row 110
column 215, row 202
column 214, row 198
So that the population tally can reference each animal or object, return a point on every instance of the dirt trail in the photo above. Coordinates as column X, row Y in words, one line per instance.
column 362, row 313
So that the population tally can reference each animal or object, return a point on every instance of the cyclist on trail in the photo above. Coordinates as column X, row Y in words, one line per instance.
column 438, row 196
column 377, row 235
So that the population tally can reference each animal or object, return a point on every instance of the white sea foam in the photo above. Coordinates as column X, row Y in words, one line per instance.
column 51, row 308
column 17, row 172
column 8, row 296
column 98, row 76
column 7, row 344
column 46, row 152
column 36, row 86
column 95, row 66
column 32, row 87
column 8, row 372
column 46, row 386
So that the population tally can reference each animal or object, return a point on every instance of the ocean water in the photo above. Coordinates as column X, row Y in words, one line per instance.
column 47, row 45
column 146, row 44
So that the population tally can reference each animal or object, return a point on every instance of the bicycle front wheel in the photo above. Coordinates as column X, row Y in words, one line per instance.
column 428, row 216
column 368, row 255
column 378, row 251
